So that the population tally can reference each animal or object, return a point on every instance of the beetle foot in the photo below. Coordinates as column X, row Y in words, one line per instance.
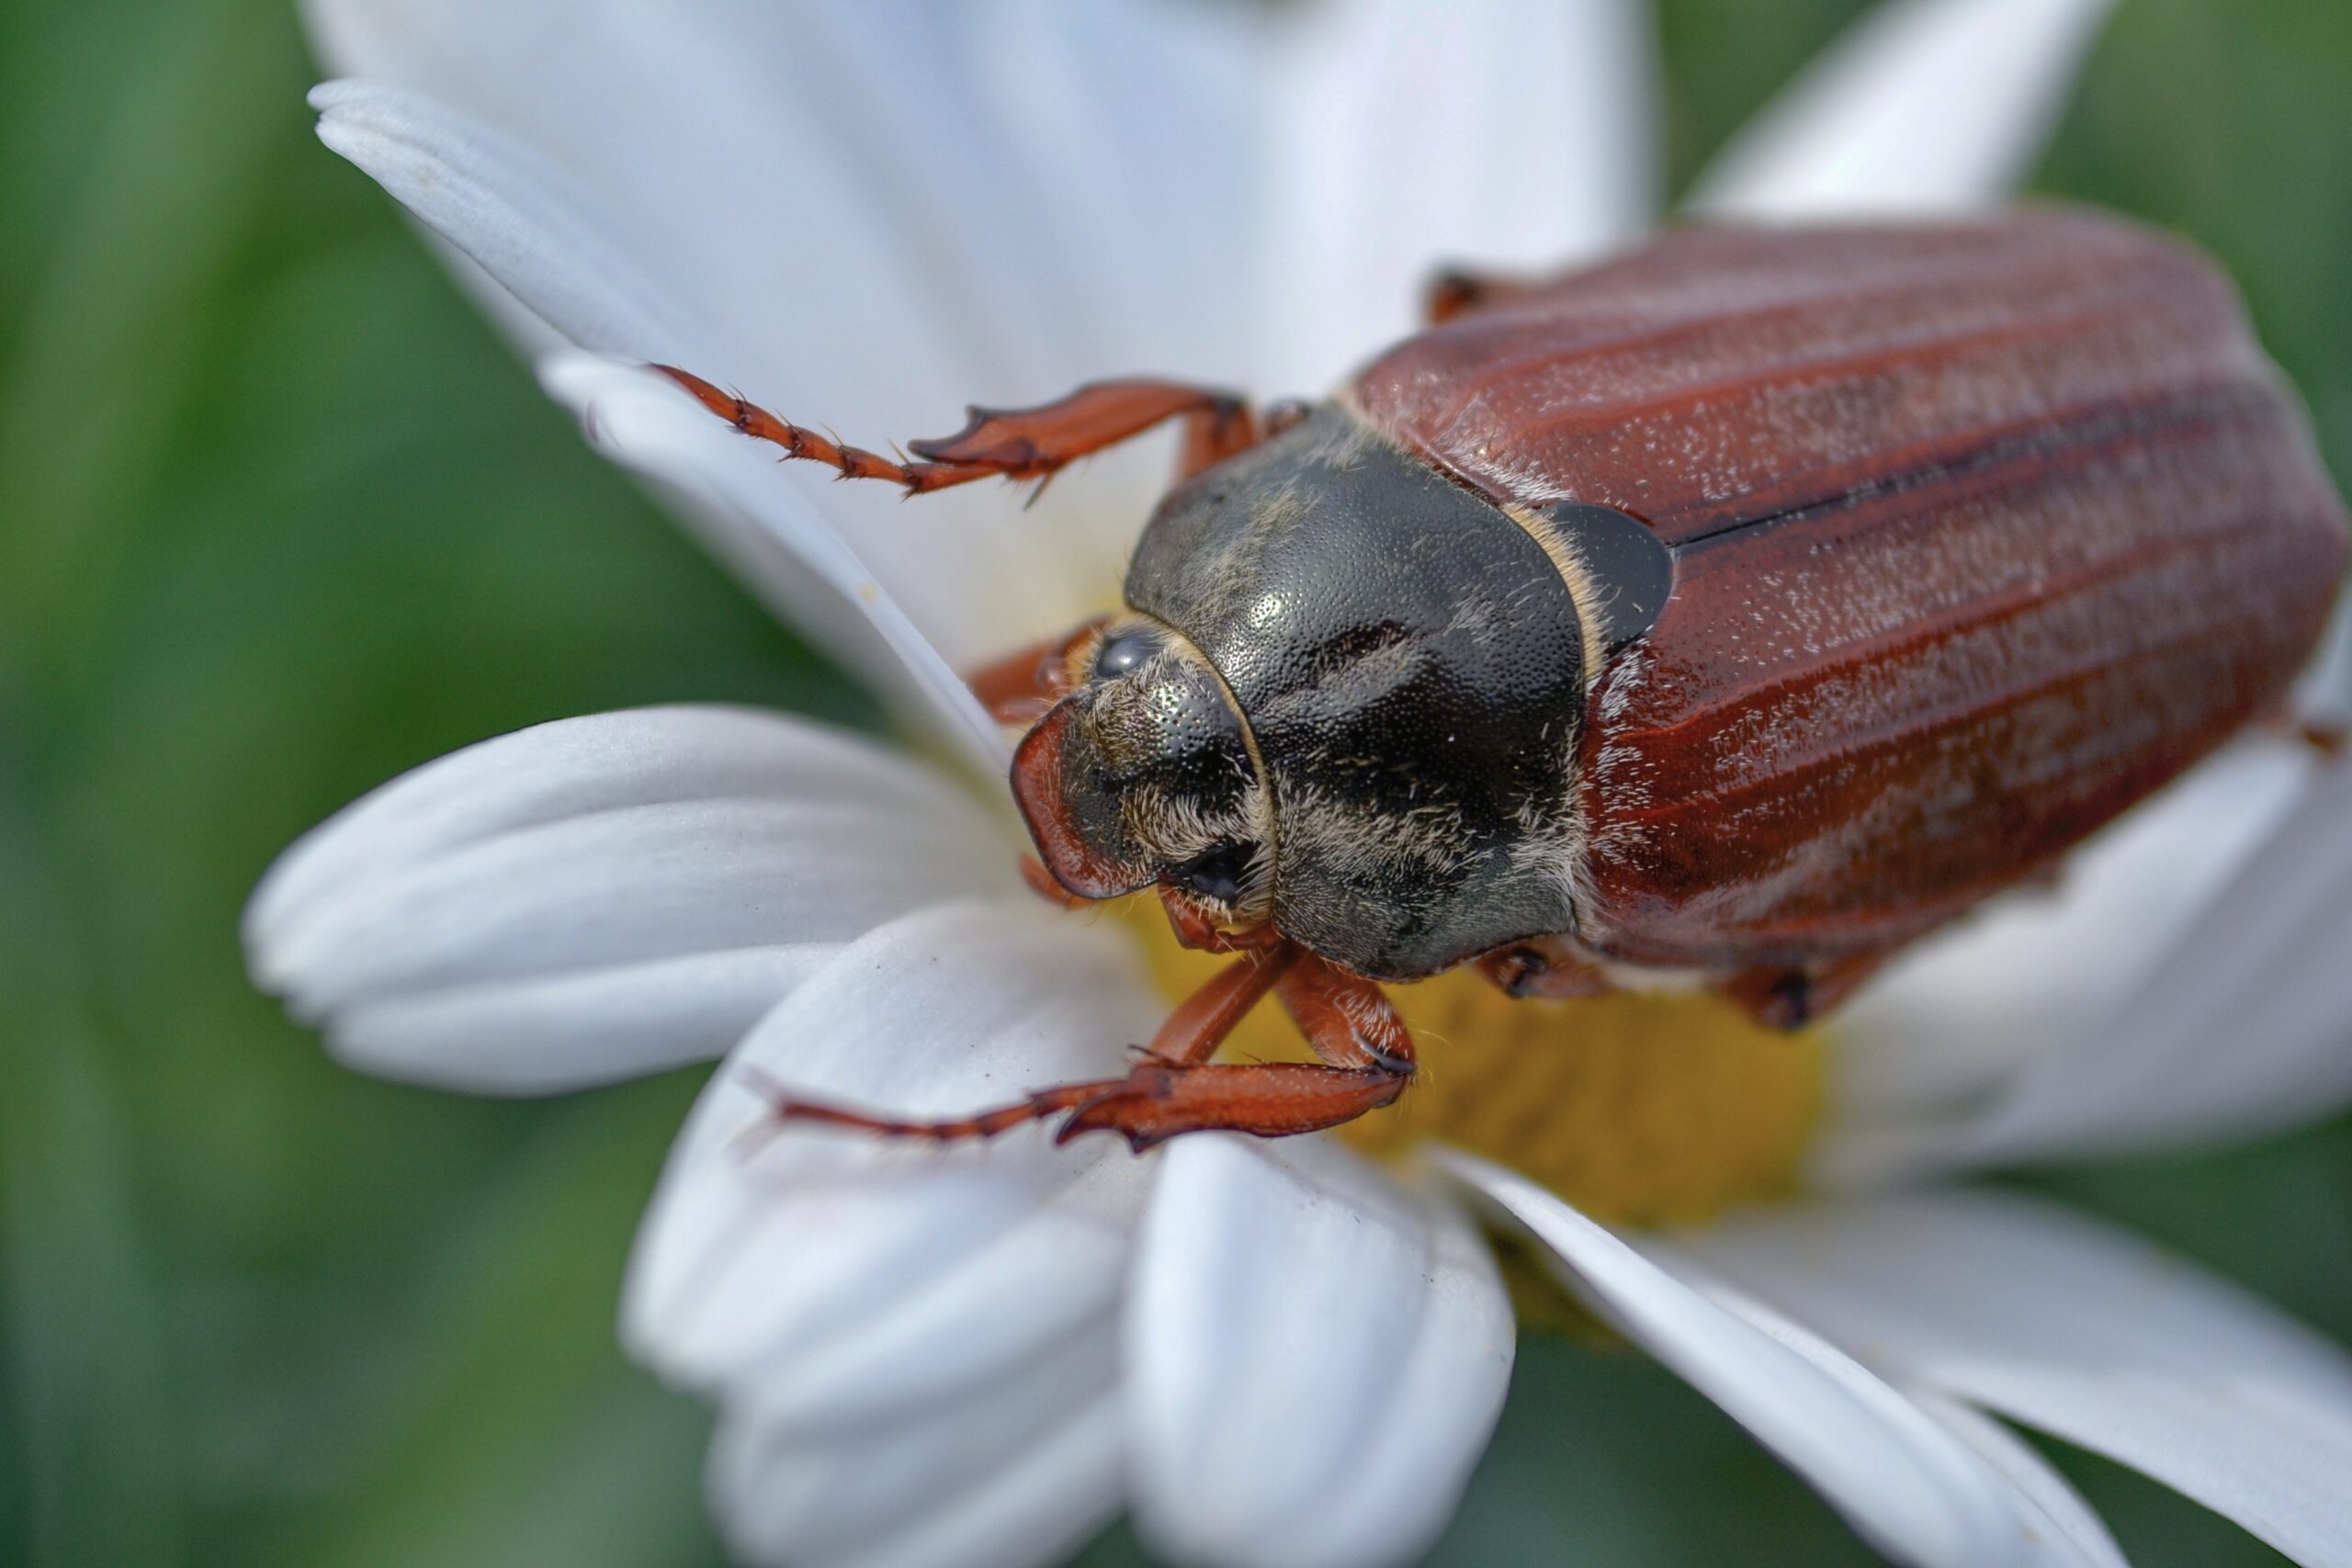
column 1543, row 968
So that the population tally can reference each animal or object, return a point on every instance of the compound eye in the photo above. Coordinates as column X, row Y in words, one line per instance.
column 1216, row 873
column 1123, row 652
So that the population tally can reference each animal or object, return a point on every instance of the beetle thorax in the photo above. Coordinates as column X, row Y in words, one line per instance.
column 1405, row 664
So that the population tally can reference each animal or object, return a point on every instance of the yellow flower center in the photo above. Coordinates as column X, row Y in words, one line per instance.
column 1641, row 1110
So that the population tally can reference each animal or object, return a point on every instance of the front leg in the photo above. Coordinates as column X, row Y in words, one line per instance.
column 1013, row 444
column 1367, row 1061
column 1018, row 687
column 1367, row 1054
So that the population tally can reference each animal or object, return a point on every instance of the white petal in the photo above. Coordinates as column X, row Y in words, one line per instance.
column 2060, row 1323
column 2036, row 971
column 642, row 419
column 567, row 264
column 1925, row 107
column 1510, row 136
column 905, row 200
column 1316, row 1357
column 2062, row 1506
column 504, row 206
column 1904, row 1482
column 2236, row 1027
column 1020, row 1479
column 555, row 249
column 601, row 896
column 917, row 1348
column 890, row 211
column 807, row 1272
column 2323, row 696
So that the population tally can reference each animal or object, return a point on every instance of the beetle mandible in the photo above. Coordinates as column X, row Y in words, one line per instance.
column 1740, row 608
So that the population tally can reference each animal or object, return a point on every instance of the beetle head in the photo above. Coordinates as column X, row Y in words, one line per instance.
column 1144, row 773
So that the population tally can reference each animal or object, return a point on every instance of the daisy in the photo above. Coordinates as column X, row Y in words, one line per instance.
column 1278, row 1353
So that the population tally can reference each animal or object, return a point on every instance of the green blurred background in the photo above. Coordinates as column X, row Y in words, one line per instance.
column 278, row 519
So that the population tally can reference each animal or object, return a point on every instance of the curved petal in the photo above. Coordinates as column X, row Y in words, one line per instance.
column 770, row 528
column 2323, row 696
column 1316, row 1357
column 602, row 896
column 2064, row 1325
column 891, row 203
column 886, row 209
column 516, row 216
column 2228, row 1024
column 2061, row 1505
column 791, row 1270
column 1925, row 107
column 907, row 1341
column 1019, row 1481
column 1904, row 1481
column 552, row 248
column 1517, row 136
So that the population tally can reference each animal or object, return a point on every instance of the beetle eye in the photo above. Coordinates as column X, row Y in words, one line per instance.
column 1216, row 873
column 1122, row 652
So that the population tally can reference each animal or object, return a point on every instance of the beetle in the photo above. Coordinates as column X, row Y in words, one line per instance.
column 1738, row 609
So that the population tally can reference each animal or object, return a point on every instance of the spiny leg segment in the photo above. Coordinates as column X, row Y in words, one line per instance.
column 1013, row 444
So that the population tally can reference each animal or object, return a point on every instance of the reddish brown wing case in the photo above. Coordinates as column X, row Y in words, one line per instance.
column 1981, row 534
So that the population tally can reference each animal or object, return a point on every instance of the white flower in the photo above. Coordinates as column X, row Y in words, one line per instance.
column 1277, row 1353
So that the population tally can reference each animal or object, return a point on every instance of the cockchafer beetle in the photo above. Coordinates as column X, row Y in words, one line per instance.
column 1745, row 606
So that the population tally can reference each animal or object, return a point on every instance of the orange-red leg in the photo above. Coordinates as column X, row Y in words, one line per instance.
column 1455, row 292
column 1189, row 1037
column 1197, row 929
column 1790, row 999
column 1013, row 444
column 1018, row 687
column 1367, row 1060
column 1552, row 968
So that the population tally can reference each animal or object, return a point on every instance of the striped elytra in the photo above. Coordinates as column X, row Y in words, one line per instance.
column 1980, row 534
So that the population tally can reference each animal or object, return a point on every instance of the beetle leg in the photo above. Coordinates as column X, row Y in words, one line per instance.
column 1014, row 444
column 1018, row 687
column 1196, row 929
column 1456, row 291
column 1366, row 1061
column 1790, row 999
column 1040, row 881
column 1551, row 967
column 1184, row 1044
